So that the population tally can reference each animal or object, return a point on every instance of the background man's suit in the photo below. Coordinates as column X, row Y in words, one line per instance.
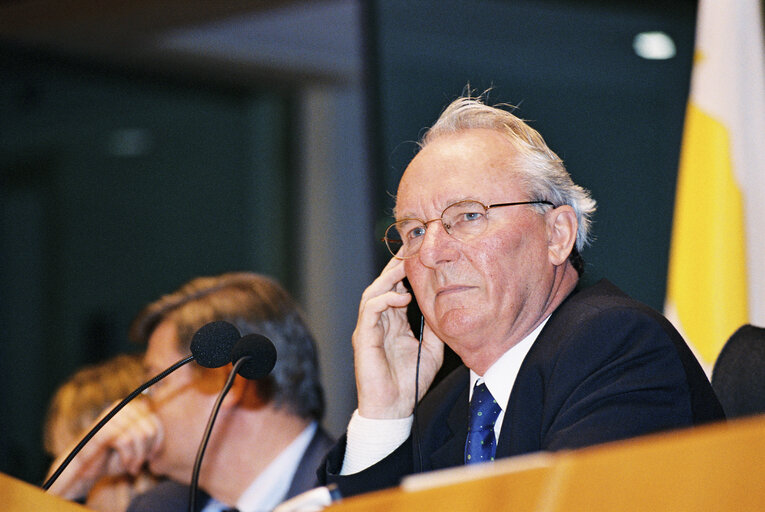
column 170, row 496
column 605, row 367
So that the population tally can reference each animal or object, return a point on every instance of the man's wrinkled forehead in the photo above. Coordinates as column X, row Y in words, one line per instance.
column 468, row 164
column 430, row 183
column 416, row 198
column 407, row 211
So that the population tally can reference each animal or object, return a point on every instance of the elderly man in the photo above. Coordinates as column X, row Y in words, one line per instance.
column 489, row 228
column 266, row 443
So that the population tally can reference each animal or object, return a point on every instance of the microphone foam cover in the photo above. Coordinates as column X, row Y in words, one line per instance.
column 211, row 345
column 262, row 355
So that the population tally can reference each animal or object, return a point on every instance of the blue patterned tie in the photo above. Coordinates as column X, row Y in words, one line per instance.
column 484, row 410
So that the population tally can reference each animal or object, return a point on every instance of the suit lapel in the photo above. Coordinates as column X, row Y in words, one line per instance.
column 522, row 425
column 452, row 452
column 503, row 443
column 305, row 476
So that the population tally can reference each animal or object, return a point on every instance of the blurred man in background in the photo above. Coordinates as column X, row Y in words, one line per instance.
column 266, row 443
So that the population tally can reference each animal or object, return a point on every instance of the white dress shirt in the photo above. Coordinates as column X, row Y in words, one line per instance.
column 271, row 486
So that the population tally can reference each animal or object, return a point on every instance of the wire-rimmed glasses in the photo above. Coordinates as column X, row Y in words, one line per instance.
column 462, row 220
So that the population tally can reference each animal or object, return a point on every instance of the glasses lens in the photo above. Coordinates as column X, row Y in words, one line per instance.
column 465, row 219
column 393, row 239
column 403, row 238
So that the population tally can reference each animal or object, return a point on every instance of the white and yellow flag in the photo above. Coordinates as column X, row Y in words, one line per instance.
column 716, row 278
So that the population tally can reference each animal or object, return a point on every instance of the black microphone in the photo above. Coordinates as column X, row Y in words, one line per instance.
column 259, row 354
column 254, row 356
column 211, row 347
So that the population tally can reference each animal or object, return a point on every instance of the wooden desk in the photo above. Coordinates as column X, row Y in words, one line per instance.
column 18, row 496
column 718, row 467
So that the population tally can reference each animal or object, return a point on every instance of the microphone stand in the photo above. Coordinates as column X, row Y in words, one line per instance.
column 208, row 430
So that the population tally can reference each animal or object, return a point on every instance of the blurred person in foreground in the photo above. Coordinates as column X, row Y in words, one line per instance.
column 266, row 443
column 75, row 405
column 489, row 231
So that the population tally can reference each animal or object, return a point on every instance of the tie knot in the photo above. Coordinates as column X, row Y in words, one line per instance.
column 484, row 410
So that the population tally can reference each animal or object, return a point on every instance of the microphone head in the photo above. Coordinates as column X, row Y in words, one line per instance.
column 261, row 352
column 212, row 343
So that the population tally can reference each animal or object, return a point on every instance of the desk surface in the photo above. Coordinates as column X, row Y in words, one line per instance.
column 718, row 467
column 17, row 496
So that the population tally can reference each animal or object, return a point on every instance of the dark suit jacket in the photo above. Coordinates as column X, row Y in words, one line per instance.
column 604, row 367
column 170, row 496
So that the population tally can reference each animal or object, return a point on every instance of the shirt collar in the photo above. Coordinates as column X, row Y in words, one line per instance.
column 271, row 486
column 500, row 376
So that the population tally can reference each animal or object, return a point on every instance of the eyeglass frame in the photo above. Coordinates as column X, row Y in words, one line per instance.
column 441, row 218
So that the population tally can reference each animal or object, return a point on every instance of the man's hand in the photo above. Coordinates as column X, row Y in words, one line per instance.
column 385, row 349
column 131, row 438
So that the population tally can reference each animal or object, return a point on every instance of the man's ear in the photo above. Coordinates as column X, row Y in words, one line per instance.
column 211, row 381
column 243, row 392
column 561, row 233
column 238, row 393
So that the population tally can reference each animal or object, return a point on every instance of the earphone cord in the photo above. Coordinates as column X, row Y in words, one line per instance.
column 417, row 394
